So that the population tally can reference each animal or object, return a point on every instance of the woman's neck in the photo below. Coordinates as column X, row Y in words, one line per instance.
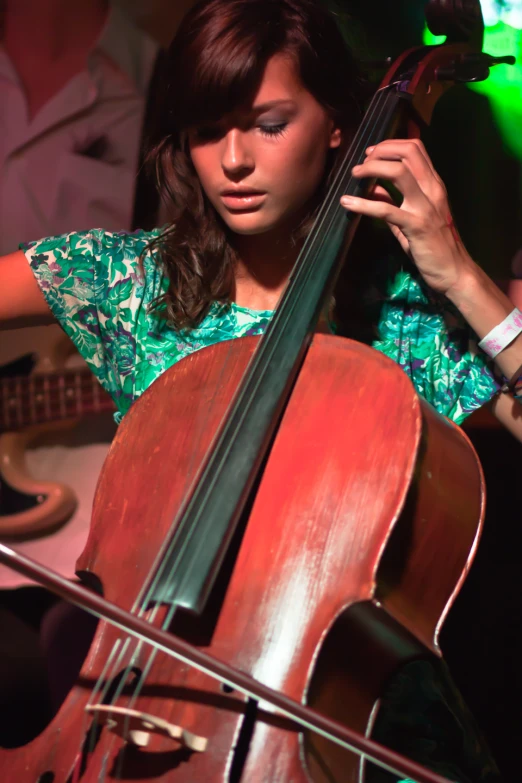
column 263, row 268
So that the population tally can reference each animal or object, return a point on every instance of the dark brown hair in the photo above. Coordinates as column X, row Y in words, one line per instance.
column 214, row 65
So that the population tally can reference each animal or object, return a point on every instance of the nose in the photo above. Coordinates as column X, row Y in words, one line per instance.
column 236, row 159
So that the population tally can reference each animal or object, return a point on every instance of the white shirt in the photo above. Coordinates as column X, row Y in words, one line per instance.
column 50, row 186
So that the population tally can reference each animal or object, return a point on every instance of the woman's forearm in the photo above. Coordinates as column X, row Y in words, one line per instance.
column 484, row 306
column 21, row 300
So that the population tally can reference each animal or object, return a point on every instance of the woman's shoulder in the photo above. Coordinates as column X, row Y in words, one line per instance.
column 99, row 271
column 95, row 242
column 96, row 258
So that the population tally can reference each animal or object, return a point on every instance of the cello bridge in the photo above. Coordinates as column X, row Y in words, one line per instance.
column 137, row 727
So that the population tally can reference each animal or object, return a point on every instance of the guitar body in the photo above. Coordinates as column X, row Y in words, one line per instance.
column 29, row 506
column 40, row 390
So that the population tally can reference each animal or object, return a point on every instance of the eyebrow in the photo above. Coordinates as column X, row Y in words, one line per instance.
column 259, row 108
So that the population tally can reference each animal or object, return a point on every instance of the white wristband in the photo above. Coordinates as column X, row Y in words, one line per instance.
column 503, row 334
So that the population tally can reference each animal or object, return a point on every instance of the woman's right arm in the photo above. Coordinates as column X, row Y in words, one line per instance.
column 21, row 300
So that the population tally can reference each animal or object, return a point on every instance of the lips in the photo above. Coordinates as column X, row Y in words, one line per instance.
column 242, row 199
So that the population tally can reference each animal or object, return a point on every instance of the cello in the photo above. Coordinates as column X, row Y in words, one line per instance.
column 240, row 569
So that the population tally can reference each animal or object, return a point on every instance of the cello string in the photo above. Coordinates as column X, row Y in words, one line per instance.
column 361, row 141
column 381, row 97
column 370, row 122
column 132, row 655
column 160, row 572
column 327, row 212
column 140, row 607
column 172, row 609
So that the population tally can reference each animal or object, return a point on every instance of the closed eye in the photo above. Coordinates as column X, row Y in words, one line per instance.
column 273, row 130
column 205, row 134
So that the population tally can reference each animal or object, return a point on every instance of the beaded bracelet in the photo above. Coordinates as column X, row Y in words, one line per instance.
column 503, row 334
column 513, row 385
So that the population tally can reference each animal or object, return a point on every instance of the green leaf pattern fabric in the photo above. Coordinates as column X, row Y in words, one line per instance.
column 101, row 295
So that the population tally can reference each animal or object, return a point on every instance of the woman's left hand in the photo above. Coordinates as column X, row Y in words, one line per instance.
column 422, row 223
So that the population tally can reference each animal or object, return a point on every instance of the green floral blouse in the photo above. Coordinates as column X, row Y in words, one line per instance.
column 101, row 298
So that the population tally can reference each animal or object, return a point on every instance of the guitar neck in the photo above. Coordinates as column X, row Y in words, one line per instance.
column 35, row 399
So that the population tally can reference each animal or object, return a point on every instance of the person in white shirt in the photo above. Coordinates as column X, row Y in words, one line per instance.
column 74, row 85
column 74, row 79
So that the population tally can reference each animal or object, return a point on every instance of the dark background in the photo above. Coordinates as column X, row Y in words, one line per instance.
column 482, row 637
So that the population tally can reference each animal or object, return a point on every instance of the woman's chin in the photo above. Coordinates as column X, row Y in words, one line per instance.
column 250, row 225
column 255, row 223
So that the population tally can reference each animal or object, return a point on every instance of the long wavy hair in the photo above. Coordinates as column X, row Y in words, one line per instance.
column 214, row 65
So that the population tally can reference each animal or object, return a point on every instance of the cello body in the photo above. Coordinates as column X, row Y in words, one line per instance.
column 362, row 529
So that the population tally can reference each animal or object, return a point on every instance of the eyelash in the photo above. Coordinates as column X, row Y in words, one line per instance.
column 270, row 131
column 273, row 131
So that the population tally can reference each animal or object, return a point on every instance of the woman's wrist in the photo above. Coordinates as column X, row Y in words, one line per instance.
column 467, row 284
column 479, row 299
column 485, row 306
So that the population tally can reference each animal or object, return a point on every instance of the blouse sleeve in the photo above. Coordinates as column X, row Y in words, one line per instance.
column 430, row 340
column 93, row 284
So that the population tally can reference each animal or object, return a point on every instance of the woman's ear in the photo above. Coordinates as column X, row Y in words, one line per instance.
column 335, row 137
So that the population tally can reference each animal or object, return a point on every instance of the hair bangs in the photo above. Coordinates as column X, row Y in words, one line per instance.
column 219, row 87
column 220, row 66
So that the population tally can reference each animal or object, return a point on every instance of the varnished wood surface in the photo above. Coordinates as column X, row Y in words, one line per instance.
column 352, row 467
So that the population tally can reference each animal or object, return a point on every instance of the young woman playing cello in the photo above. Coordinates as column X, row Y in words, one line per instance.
column 260, row 95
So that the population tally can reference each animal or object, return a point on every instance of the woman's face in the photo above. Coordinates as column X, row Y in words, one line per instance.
column 261, row 164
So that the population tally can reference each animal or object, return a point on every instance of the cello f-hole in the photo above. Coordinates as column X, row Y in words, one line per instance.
column 46, row 777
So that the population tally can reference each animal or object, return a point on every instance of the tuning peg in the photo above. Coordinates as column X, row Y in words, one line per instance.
column 473, row 67
column 508, row 59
